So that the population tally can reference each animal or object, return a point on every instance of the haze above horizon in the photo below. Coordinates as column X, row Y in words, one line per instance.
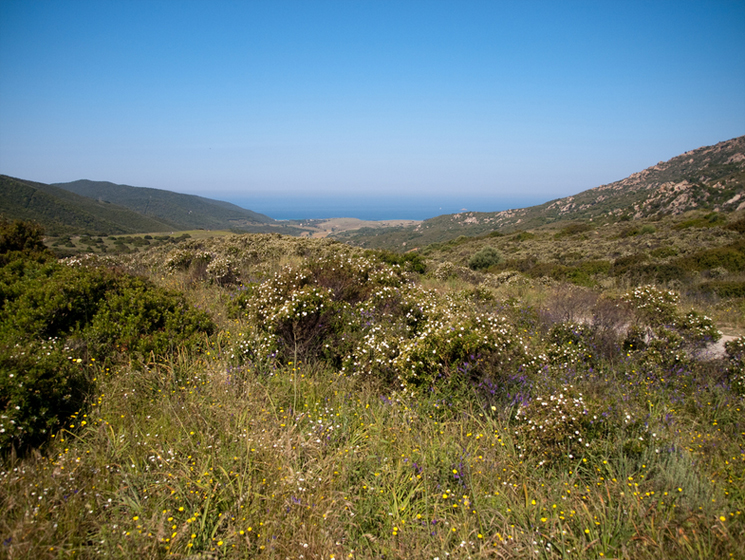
column 360, row 101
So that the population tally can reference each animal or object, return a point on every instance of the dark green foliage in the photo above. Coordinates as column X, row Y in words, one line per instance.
column 574, row 229
column 485, row 258
column 41, row 385
column 582, row 274
column 731, row 257
column 411, row 260
column 664, row 252
column 135, row 316
column 55, row 319
column 725, row 289
column 19, row 238
column 712, row 219
column 738, row 226
column 522, row 236
column 628, row 232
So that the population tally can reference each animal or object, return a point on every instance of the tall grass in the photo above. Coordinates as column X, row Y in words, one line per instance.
column 197, row 454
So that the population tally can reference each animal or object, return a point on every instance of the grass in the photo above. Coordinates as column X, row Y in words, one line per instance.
column 189, row 456
column 200, row 455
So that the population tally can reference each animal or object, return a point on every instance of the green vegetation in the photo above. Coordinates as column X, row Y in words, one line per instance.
column 65, row 213
column 485, row 258
column 57, row 319
column 350, row 404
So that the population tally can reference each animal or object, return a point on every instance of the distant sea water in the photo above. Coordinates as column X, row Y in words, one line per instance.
column 374, row 208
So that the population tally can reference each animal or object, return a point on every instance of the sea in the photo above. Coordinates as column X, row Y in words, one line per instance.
column 377, row 208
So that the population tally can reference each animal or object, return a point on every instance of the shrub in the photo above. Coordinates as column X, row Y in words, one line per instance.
column 562, row 427
column 136, row 316
column 738, row 225
column 574, row 229
column 731, row 257
column 485, row 258
column 725, row 289
column 21, row 239
column 736, row 353
column 664, row 252
column 55, row 317
column 412, row 260
column 41, row 385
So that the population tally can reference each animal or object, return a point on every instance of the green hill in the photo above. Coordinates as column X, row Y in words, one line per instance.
column 62, row 212
column 185, row 211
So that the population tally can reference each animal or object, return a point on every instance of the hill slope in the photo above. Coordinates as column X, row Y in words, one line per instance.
column 711, row 178
column 62, row 212
column 185, row 211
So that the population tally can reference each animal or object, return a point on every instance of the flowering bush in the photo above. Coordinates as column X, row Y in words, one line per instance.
column 560, row 426
column 654, row 306
column 367, row 318
column 665, row 335
column 222, row 271
column 570, row 344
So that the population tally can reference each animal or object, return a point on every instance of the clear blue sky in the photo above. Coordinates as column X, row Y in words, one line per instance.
column 234, row 99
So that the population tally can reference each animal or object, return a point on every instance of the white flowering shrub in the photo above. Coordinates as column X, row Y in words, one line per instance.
column 221, row 270
column 664, row 335
column 698, row 329
column 445, row 270
column 653, row 305
column 564, row 426
column 178, row 259
column 366, row 318
column 570, row 344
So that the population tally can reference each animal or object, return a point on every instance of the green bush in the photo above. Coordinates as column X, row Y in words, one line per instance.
column 574, row 229
column 411, row 260
column 485, row 258
column 21, row 239
column 56, row 318
column 41, row 385
column 738, row 225
column 731, row 257
column 725, row 289
column 135, row 316
column 712, row 219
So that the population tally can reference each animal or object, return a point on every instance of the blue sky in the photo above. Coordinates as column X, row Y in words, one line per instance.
column 244, row 100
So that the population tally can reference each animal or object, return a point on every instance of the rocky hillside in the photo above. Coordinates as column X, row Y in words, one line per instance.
column 709, row 178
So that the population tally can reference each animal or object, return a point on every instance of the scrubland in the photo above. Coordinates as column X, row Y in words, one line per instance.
column 274, row 397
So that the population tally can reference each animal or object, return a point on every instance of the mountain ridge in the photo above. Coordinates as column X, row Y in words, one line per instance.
column 188, row 211
column 63, row 212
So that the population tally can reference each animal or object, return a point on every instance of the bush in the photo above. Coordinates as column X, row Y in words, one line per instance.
column 574, row 229
column 738, row 225
column 21, row 239
column 411, row 260
column 41, row 385
column 736, row 352
column 731, row 257
column 725, row 289
column 485, row 258
column 56, row 318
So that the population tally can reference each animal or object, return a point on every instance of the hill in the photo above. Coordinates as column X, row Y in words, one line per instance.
column 62, row 212
column 708, row 178
column 184, row 211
